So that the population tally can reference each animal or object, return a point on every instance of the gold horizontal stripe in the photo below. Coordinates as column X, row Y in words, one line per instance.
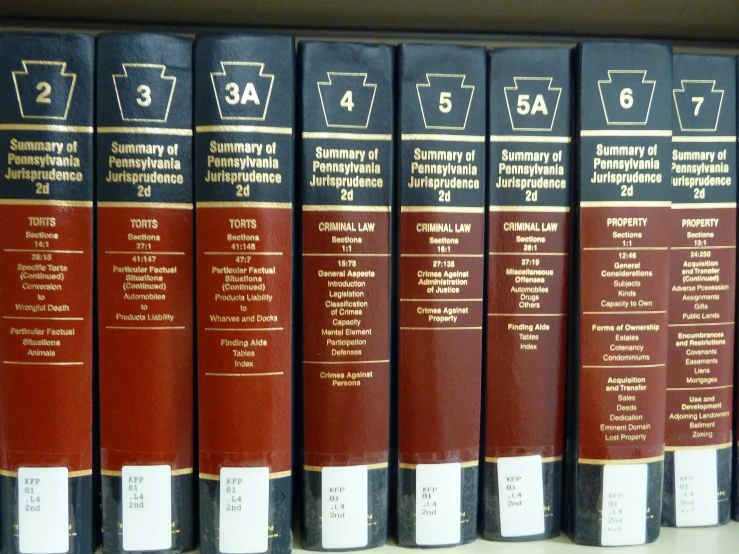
column 147, row 131
column 62, row 203
column 272, row 205
column 8, row 362
column 472, row 463
column 556, row 209
column 71, row 474
column 625, row 204
column 347, row 136
column 174, row 472
column 381, row 465
column 624, row 133
column 440, row 328
column 703, row 206
column 592, row 461
column 334, row 208
column 450, row 138
column 42, row 127
column 714, row 138
column 704, row 447
column 153, row 205
column 244, row 129
column 215, row 477
column 442, row 209
column 548, row 460
column 530, row 138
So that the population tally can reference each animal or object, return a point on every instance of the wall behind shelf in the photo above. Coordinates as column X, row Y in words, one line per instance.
column 711, row 20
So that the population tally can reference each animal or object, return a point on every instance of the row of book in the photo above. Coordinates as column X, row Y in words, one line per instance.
column 387, row 306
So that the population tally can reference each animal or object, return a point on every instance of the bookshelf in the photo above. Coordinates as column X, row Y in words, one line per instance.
column 713, row 20
column 692, row 24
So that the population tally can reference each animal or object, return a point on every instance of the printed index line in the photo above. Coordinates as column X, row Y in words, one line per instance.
column 627, row 248
column 717, row 138
column 531, row 254
column 624, row 133
column 147, row 131
column 436, row 136
column 702, row 388
column 347, row 362
column 267, row 374
column 149, row 328
column 243, row 253
column 42, row 127
column 530, row 138
column 622, row 366
column 44, row 318
column 713, row 324
column 636, row 312
column 347, row 255
column 43, row 251
column 496, row 314
column 145, row 252
column 347, row 136
column 9, row 362
column 244, row 129
column 725, row 247
column 243, row 329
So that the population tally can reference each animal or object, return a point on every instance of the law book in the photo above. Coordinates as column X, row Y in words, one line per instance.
column 46, row 320
column 244, row 149
column 619, row 325
column 145, row 291
column 530, row 194
column 441, row 191
column 700, row 368
column 346, row 193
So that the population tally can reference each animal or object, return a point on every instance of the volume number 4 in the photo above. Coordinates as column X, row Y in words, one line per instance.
column 347, row 101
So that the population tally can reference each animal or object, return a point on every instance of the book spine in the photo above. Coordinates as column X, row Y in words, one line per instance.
column 145, row 283
column 700, row 374
column 623, row 199
column 346, row 189
column 244, row 149
column 527, row 291
column 439, row 329
column 46, row 322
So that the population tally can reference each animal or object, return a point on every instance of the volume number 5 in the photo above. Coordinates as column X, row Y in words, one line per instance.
column 145, row 99
column 445, row 102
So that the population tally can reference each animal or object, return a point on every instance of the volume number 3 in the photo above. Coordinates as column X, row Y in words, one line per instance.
column 145, row 99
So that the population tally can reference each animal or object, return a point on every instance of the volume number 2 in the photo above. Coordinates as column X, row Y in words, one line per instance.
column 44, row 89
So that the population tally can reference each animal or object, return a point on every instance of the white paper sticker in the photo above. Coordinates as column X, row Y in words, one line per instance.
column 344, row 505
column 147, row 507
column 696, row 487
column 624, row 516
column 43, row 510
column 521, row 493
column 438, row 504
column 244, row 510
